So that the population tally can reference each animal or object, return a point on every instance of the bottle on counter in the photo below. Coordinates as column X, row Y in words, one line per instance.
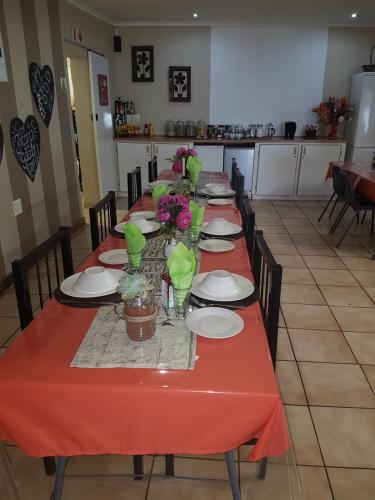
column 150, row 129
column 146, row 131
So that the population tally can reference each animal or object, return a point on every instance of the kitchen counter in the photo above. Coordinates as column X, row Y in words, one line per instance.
column 227, row 142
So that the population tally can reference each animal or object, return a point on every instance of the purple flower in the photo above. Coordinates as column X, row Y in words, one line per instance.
column 177, row 167
column 164, row 216
column 181, row 152
column 183, row 219
column 191, row 152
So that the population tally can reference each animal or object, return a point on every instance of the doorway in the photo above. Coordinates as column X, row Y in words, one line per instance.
column 81, row 106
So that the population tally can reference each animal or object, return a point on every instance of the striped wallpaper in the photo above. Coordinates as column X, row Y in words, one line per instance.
column 31, row 31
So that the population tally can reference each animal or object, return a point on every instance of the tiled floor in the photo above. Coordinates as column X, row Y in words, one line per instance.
column 325, row 369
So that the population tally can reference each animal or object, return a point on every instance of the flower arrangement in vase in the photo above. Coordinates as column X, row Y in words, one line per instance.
column 180, row 158
column 332, row 112
column 173, row 212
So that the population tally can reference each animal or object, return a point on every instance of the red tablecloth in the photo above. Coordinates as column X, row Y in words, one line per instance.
column 361, row 175
column 231, row 396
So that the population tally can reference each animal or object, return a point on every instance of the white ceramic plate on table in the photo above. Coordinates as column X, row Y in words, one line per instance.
column 145, row 214
column 67, row 286
column 154, row 226
column 228, row 231
column 216, row 245
column 225, row 193
column 114, row 257
column 220, row 201
column 244, row 289
column 215, row 323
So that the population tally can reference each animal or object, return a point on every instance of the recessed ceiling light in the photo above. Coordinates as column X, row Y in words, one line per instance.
column 195, row 14
column 353, row 15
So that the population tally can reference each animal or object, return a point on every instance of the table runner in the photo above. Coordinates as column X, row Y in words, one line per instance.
column 231, row 396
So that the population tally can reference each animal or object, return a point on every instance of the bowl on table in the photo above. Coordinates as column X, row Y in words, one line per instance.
column 218, row 225
column 95, row 280
column 215, row 188
column 219, row 284
column 144, row 225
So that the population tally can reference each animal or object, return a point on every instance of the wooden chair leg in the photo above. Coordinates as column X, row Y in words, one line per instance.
column 49, row 465
column 138, row 467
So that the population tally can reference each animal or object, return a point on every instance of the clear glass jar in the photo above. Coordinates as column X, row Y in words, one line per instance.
column 201, row 129
column 190, row 130
column 180, row 128
column 169, row 128
column 140, row 317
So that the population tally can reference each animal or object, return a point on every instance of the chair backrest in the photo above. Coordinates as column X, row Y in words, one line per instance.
column 248, row 224
column 268, row 275
column 153, row 169
column 232, row 179
column 349, row 194
column 46, row 260
column 103, row 218
column 134, row 186
column 338, row 181
column 238, row 185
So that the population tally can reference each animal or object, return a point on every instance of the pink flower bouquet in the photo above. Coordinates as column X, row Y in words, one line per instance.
column 177, row 158
column 173, row 211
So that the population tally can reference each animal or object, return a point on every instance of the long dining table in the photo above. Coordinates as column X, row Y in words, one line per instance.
column 362, row 176
column 231, row 396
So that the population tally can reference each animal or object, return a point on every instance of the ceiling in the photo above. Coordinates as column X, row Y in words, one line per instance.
column 212, row 12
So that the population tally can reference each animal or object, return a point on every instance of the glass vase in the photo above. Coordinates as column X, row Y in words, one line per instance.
column 135, row 261
column 332, row 130
column 181, row 301
column 140, row 318
column 169, row 231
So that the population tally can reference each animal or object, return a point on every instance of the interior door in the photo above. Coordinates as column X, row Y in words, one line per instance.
column 102, row 120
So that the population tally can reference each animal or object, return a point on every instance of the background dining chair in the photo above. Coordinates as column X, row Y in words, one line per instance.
column 239, row 183
column 338, row 191
column 248, row 224
column 103, row 218
column 45, row 260
column 134, row 186
column 232, row 179
column 153, row 169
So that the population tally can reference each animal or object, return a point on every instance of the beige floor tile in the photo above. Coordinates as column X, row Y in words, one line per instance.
column 371, row 291
column 346, row 436
column 355, row 319
column 290, row 261
column 351, row 251
column 284, row 349
column 370, row 374
column 290, row 222
column 8, row 305
column 13, row 337
column 283, row 249
column 334, row 277
column 281, row 320
column 272, row 229
column 363, row 346
column 308, row 239
column 323, row 262
column 269, row 220
column 303, row 436
column 366, row 278
column 7, row 328
column 330, row 384
column 290, row 212
column 281, row 204
column 322, row 346
column 80, row 254
column 315, row 250
column 301, row 229
column 308, row 317
column 346, row 296
column 297, row 277
column 279, row 238
column 106, row 464
column 333, row 239
column 301, row 294
column 359, row 263
column 352, row 484
column 290, row 384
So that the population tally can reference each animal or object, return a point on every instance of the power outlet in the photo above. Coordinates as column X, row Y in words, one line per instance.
column 17, row 207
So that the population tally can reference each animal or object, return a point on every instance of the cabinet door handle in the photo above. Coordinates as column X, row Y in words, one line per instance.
column 148, row 149
column 295, row 151
column 303, row 151
column 157, row 149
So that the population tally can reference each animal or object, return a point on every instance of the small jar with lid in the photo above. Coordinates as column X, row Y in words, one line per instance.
column 190, row 130
column 169, row 128
column 201, row 129
column 180, row 128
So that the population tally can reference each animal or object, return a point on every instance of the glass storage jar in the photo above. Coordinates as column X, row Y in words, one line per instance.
column 190, row 130
column 169, row 128
column 180, row 128
column 201, row 129
column 140, row 317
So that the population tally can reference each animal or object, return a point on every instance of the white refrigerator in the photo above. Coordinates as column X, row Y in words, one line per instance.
column 360, row 132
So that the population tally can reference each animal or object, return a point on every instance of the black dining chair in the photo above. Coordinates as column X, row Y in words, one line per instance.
column 232, row 179
column 239, row 183
column 357, row 204
column 42, row 265
column 134, row 186
column 338, row 191
column 153, row 169
column 248, row 224
column 103, row 218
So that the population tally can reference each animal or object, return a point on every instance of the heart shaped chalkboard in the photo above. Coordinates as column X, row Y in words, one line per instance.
column 1, row 143
column 43, row 90
column 25, row 140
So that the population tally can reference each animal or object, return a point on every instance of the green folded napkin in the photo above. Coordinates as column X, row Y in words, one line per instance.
column 197, row 213
column 158, row 191
column 194, row 167
column 135, row 242
column 181, row 266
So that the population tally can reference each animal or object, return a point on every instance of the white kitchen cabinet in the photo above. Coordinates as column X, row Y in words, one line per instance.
column 313, row 168
column 211, row 157
column 276, row 169
column 131, row 155
column 164, row 150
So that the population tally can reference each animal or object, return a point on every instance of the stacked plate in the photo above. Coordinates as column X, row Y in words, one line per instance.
column 146, row 226
column 220, row 227
column 217, row 190
column 221, row 286
column 93, row 282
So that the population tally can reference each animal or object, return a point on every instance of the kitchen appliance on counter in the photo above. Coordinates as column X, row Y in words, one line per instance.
column 290, row 130
column 245, row 162
column 361, row 130
column 270, row 130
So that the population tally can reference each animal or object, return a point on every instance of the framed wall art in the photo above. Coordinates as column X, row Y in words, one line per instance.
column 143, row 63
column 179, row 83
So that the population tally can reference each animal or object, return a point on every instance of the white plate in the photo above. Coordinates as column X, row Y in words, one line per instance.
column 226, row 192
column 246, row 289
column 216, row 245
column 155, row 226
column 67, row 285
column 114, row 257
column 220, row 201
column 214, row 323
column 157, row 183
column 233, row 229
column 145, row 214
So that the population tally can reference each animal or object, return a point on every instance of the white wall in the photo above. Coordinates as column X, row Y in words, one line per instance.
column 261, row 74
